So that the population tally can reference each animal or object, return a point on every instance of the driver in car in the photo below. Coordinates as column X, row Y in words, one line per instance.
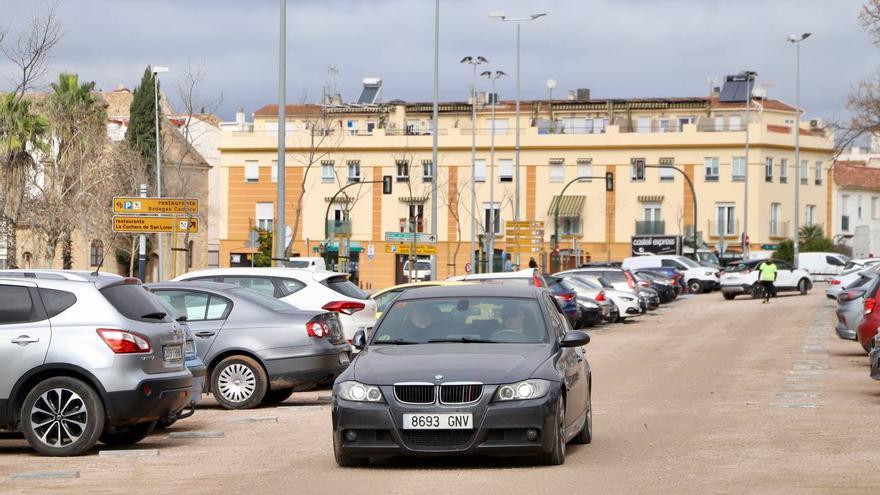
column 513, row 325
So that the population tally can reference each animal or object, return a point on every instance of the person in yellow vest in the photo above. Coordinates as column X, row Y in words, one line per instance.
column 767, row 275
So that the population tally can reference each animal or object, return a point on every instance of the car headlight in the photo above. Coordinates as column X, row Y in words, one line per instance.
column 527, row 389
column 710, row 274
column 627, row 299
column 358, row 392
column 590, row 305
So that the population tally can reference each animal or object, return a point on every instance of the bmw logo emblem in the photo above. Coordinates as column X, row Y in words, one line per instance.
column 438, row 377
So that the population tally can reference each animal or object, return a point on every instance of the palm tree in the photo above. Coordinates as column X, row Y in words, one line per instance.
column 21, row 132
column 809, row 233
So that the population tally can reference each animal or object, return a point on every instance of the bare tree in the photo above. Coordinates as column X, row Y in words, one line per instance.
column 864, row 99
column 29, row 51
column 450, row 198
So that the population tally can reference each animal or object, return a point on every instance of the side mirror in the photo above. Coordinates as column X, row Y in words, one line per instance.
column 359, row 341
column 574, row 338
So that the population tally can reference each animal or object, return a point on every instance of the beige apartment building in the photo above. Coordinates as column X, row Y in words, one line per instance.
column 331, row 146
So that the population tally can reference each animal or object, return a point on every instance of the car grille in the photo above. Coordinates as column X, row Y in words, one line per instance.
column 460, row 393
column 437, row 438
column 415, row 394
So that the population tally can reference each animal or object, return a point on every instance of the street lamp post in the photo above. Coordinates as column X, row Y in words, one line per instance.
column 493, row 76
column 796, row 40
column 518, row 21
column 474, row 62
column 750, row 77
column 279, row 238
column 156, row 71
column 434, row 134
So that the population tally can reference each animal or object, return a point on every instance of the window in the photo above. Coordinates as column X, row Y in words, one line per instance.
column 265, row 215
column 291, row 285
column 402, row 171
column 599, row 125
column 818, row 173
column 719, row 123
column 738, row 168
column 96, row 252
column 479, row 170
column 585, row 168
column 370, row 127
column 196, row 306
column 768, row 169
column 834, row 261
column 805, row 172
column 352, row 127
column 557, row 170
column 810, row 214
column 651, row 212
column 17, row 305
column 711, row 164
column 505, row 170
column 783, row 170
column 663, row 125
column 859, row 207
column 667, row 174
column 874, row 212
column 415, row 218
column 412, row 127
column 354, row 170
column 683, row 121
column 251, row 171
column 725, row 219
column 570, row 225
column 427, row 170
column 496, row 220
column 274, row 171
column 500, row 126
column 133, row 302
column 328, row 173
column 56, row 301
column 734, row 123
column 643, row 124
column 775, row 226
column 260, row 284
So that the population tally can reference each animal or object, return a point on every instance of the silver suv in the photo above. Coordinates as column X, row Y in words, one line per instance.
column 85, row 357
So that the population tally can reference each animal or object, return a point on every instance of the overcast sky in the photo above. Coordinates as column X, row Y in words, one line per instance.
column 617, row 48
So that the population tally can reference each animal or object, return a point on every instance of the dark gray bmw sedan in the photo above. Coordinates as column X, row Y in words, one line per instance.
column 483, row 369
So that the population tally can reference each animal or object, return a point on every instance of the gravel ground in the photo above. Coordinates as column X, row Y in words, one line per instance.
column 703, row 396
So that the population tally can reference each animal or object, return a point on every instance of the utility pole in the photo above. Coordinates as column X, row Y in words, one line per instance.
column 156, row 71
column 796, row 40
column 142, row 248
column 434, row 134
column 750, row 78
column 279, row 247
column 474, row 62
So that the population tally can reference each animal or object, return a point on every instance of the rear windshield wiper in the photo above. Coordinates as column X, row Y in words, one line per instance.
column 158, row 315
column 466, row 340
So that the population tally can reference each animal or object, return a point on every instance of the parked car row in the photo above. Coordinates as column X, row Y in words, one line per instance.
column 856, row 291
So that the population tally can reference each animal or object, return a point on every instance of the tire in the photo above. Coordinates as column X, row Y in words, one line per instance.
column 803, row 286
column 238, row 382
column 84, row 414
column 128, row 434
column 556, row 456
column 728, row 296
column 274, row 397
column 585, row 436
column 345, row 460
column 695, row 286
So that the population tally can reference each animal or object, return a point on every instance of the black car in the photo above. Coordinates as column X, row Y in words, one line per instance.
column 665, row 287
column 493, row 370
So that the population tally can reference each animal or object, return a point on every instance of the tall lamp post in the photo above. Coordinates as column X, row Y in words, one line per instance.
column 750, row 78
column 493, row 76
column 156, row 69
column 279, row 238
column 474, row 62
column 434, row 134
column 518, row 21
column 796, row 40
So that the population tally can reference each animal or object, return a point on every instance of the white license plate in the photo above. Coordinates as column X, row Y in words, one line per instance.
column 172, row 352
column 438, row 421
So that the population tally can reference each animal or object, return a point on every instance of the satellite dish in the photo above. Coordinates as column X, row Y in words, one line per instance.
column 551, row 83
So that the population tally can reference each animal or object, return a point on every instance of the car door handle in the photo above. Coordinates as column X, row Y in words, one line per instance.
column 25, row 340
column 205, row 334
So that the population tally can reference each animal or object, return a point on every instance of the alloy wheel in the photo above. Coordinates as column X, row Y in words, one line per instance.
column 59, row 417
column 237, row 382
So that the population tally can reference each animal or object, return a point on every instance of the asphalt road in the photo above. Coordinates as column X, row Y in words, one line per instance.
column 705, row 396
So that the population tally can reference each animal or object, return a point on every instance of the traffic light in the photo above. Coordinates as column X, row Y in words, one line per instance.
column 386, row 184
column 640, row 168
column 609, row 181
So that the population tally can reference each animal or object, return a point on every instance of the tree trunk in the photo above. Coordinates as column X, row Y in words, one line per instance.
column 134, row 246
column 67, row 250
column 7, row 230
column 51, row 249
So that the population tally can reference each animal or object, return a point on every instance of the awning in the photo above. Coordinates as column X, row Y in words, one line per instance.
column 333, row 247
column 569, row 206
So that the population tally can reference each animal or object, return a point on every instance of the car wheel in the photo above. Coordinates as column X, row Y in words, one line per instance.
column 62, row 416
column 238, row 382
column 695, row 286
column 556, row 456
column 345, row 460
column 802, row 287
column 728, row 296
column 128, row 434
column 586, row 434
column 274, row 397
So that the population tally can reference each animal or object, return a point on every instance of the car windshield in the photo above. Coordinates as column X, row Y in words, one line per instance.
column 576, row 285
column 261, row 299
column 688, row 262
column 462, row 319
column 299, row 264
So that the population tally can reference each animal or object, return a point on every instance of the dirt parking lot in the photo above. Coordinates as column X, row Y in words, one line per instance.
column 703, row 396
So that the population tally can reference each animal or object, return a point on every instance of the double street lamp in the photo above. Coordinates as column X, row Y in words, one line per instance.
column 492, row 76
column 796, row 41
column 156, row 70
column 474, row 62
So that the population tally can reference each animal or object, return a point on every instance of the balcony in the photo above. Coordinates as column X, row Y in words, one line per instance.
column 727, row 230
column 338, row 228
column 644, row 227
column 778, row 230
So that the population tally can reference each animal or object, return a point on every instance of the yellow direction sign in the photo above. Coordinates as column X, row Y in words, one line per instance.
column 168, row 206
column 406, row 248
column 527, row 224
column 523, row 249
column 154, row 225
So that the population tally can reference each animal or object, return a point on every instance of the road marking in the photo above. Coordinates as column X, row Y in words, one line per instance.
column 255, row 419
column 301, row 408
column 129, row 453
column 196, row 434
column 46, row 475
column 809, row 369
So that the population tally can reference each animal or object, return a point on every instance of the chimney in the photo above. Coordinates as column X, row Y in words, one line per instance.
column 239, row 118
column 716, row 91
column 571, row 95
column 583, row 93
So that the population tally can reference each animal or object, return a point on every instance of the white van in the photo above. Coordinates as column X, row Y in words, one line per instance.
column 307, row 263
column 699, row 278
column 822, row 266
column 421, row 270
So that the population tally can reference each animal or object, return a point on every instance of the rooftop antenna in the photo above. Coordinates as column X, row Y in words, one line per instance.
column 713, row 83
column 330, row 88
column 104, row 254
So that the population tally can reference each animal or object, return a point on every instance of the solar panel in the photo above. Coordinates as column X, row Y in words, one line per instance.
column 368, row 95
column 735, row 89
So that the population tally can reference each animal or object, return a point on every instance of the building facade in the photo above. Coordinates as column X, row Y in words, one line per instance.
column 332, row 146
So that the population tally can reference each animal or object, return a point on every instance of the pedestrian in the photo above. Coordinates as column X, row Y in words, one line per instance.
column 533, row 263
column 508, row 264
column 767, row 271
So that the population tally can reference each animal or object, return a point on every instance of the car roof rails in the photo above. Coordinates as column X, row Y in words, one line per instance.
column 72, row 275
column 601, row 264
